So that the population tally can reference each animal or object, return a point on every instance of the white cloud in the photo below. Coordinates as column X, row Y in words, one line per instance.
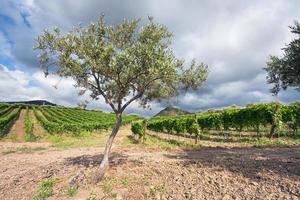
column 16, row 85
column 234, row 38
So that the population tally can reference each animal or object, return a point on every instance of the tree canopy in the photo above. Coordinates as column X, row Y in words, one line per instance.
column 122, row 63
column 284, row 72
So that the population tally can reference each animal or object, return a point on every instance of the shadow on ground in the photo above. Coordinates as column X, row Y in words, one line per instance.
column 249, row 162
column 95, row 160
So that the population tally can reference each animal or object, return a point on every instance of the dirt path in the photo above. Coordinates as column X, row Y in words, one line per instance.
column 18, row 127
column 38, row 130
column 205, row 173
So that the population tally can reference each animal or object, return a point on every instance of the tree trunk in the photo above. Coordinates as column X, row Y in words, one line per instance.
column 257, row 131
column 274, row 122
column 272, row 131
column 105, row 161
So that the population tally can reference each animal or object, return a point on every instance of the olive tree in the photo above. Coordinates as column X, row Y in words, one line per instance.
column 121, row 63
column 284, row 72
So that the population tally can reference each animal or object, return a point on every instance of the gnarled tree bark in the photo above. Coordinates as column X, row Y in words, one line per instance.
column 104, row 165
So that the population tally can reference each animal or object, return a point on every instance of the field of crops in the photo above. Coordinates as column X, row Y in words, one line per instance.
column 261, row 119
column 57, row 119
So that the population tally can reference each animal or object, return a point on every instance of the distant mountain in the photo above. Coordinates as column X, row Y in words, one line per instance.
column 33, row 102
column 171, row 111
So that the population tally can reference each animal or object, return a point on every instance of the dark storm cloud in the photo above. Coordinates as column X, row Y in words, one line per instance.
column 234, row 38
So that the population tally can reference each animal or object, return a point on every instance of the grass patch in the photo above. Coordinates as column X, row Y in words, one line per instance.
column 12, row 137
column 55, row 138
column 161, row 140
column 108, row 185
column 153, row 141
column 124, row 182
column 23, row 150
column 157, row 189
column 255, row 141
column 72, row 191
column 29, row 137
column 83, row 139
column 44, row 190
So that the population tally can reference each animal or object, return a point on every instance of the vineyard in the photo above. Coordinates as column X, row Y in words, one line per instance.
column 256, row 119
column 56, row 120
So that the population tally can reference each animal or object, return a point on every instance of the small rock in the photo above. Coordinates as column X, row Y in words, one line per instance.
column 79, row 177
column 254, row 183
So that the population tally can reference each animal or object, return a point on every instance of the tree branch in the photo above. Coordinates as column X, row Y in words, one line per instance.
column 138, row 95
column 131, row 100
column 103, row 94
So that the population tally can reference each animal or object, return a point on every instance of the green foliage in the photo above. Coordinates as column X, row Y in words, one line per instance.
column 28, row 126
column 138, row 128
column 284, row 72
column 291, row 115
column 55, row 138
column 44, row 190
column 72, row 191
column 252, row 117
column 125, row 182
column 5, row 109
column 49, row 126
column 116, row 62
column 75, row 121
column 178, row 127
column 193, row 129
column 8, row 118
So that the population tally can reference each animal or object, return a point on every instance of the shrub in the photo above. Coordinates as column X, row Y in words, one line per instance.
column 138, row 128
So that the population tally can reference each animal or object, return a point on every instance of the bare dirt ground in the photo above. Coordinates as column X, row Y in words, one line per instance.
column 18, row 127
column 138, row 173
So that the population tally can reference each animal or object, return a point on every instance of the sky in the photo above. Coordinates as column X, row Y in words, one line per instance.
column 234, row 38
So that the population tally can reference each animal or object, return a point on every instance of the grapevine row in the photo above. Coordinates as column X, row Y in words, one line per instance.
column 253, row 117
column 8, row 119
column 28, row 126
column 59, row 119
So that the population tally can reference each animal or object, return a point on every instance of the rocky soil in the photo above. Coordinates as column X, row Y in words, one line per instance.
column 137, row 173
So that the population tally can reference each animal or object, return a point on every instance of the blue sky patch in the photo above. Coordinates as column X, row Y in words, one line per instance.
column 6, row 20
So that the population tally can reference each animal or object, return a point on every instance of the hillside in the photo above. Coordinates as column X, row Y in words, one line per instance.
column 17, row 118
column 171, row 111
column 33, row 102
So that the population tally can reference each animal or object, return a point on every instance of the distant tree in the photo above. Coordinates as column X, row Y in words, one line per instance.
column 285, row 72
column 82, row 104
column 122, row 63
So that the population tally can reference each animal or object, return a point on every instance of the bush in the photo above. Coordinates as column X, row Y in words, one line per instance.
column 138, row 128
column 193, row 127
